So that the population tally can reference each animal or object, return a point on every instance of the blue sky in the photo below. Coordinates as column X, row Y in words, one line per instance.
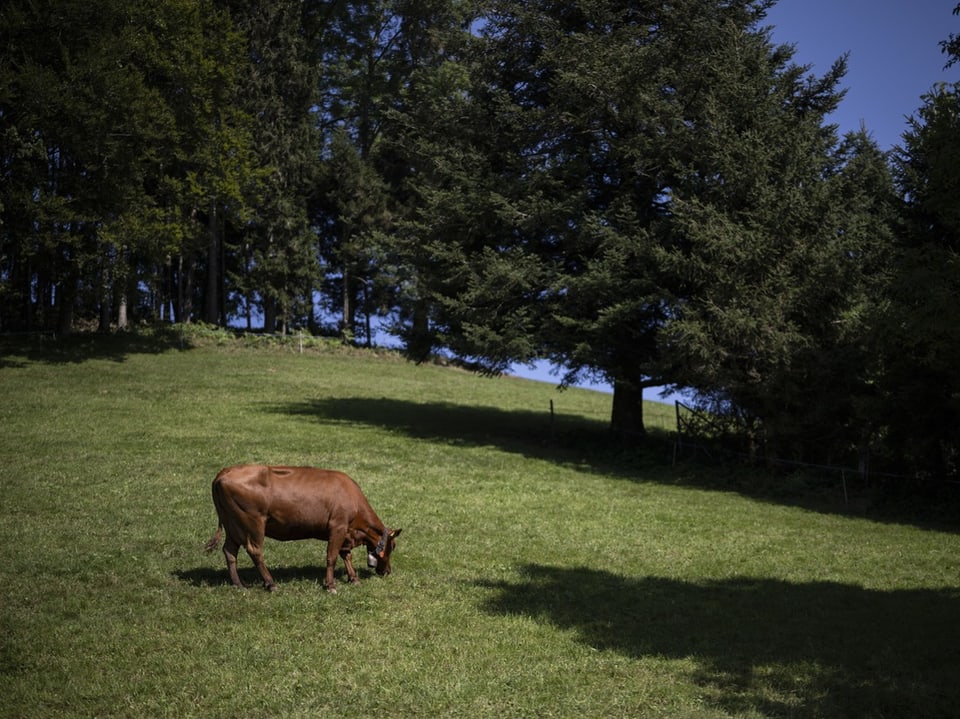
column 894, row 59
column 894, row 54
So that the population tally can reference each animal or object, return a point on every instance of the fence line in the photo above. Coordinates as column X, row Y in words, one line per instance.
column 681, row 444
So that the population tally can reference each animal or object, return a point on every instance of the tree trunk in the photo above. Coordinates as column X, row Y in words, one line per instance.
column 347, row 332
column 122, row 320
column 165, row 285
column 269, row 315
column 186, row 290
column 66, row 304
column 626, row 420
column 368, row 326
column 106, row 300
column 312, row 325
column 419, row 342
column 211, row 310
column 179, row 299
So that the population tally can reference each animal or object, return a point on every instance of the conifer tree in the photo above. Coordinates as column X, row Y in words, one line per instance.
column 675, row 173
column 363, row 69
column 278, row 268
column 458, row 282
column 918, row 334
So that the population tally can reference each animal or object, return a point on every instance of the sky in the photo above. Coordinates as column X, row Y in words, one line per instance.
column 894, row 59
column 894, row 54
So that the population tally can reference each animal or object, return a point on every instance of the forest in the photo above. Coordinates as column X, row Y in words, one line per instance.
column 642, row 192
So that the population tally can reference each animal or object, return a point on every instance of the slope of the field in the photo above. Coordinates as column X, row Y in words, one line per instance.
column 540, row 572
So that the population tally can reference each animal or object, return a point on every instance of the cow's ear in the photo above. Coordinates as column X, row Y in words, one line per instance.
column 395, row 533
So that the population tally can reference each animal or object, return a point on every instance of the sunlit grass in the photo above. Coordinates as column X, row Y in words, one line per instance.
column 542, row 572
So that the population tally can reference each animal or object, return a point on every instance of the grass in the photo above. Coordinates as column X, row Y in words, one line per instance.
column 541, row 573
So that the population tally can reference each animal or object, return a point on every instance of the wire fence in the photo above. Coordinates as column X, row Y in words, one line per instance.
column 700, row 434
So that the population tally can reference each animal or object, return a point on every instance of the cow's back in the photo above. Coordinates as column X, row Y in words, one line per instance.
column 291, row 502
column 317, row 496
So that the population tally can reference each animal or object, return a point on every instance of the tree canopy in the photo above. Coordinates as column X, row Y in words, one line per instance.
column 642, row 193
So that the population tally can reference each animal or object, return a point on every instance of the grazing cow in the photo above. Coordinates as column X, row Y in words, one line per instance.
column 256, row 501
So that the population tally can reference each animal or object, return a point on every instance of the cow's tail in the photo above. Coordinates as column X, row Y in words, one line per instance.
column 214, row 541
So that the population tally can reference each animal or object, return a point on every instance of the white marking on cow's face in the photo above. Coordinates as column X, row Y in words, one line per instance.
column 371, row 560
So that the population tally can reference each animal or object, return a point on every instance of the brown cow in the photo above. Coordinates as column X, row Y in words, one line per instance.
column 256, row 501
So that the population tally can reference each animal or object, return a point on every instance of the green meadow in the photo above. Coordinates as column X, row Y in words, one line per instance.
column 542, row 572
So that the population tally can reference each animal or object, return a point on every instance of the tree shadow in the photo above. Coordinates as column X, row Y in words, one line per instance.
column 437, row 421
column 562, row 438
column 85, row 346
column 762, row 645
column 587, row 445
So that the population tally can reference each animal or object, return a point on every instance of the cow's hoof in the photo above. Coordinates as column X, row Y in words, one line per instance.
column 270, row 587
column 331, row 590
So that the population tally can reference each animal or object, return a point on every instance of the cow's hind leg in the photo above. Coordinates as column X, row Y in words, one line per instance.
column 255, row 550
column 230, row 549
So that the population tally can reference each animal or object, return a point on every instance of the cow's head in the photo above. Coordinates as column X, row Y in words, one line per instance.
column 379, row 558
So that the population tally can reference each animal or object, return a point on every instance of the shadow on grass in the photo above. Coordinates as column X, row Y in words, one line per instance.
column 565, row 438
column 213, row 577
column 444, row 421
column 587, row 445
column 762, row 645
column 85, row 346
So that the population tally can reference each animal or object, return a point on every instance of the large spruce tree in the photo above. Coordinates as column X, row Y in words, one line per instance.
column 674, row 165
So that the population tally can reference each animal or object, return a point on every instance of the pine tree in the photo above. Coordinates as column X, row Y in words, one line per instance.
column 752, row 249
column 363, row 70
column 918, row 333
column 278, row 262
column 623, row 103
column 352, row 216
column 78, row 129
column 458, row 285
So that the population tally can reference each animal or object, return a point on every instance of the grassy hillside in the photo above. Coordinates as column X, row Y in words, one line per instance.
column 538, row 574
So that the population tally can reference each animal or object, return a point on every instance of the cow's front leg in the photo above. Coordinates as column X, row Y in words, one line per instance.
column 334, row 545
column 347, row 555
